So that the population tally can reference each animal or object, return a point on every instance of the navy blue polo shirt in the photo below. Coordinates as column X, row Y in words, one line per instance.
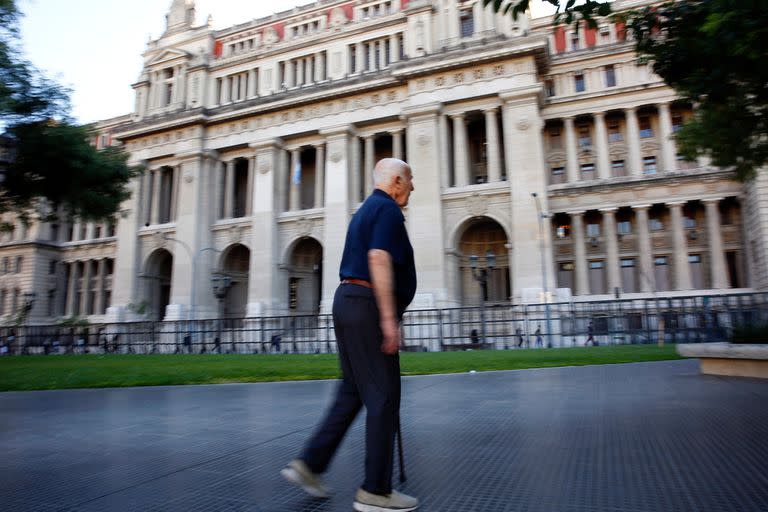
column 379, row 224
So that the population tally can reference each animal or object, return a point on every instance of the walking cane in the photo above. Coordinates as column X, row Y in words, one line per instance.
column 400, row 451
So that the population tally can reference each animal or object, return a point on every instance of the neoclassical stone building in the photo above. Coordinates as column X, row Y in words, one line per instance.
column 258, row 143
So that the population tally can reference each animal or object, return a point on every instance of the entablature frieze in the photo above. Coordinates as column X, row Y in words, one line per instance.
column 641, row 193
column 608, row 100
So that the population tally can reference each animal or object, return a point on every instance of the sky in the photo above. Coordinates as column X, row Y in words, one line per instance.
column 94, row 47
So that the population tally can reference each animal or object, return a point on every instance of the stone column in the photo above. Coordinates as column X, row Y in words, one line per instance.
column 445, row 151
column 601, row 147
column 229, row 190
column 156, row 177
column 571, row 151
column 611, row 249
column 339, row 162
column 72, row 289
column 494, row 149
column 371, row 56
column 454, row 27
column 101, row 286
column 524, row 157
column 680, row 248
column 359, row 58
column 290, row 78
column 394, row 48
column 146, row 198
column 175, row 176
column 300, row 72
column 668, row 151
column 424, row 214
column 369, row 164
column 264, row 272
column 253, row 90
column 354, row 169
column 718, row 269
column 85, row 291
column 251, row 180
column 190, row 283
column 319, row 174
column 644, row 249
column 380, row 44
column 397, row 144
column 320, row 67
column 294, row 198
column 460, row 159
column 579, row 253
column 633, row 142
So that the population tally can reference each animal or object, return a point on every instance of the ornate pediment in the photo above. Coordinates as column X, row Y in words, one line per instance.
column 167, row 56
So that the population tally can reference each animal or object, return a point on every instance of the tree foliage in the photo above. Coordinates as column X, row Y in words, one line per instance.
column 52, row 156
column 713, row 53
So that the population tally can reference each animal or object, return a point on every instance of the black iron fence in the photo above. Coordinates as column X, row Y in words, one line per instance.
column 499, row 326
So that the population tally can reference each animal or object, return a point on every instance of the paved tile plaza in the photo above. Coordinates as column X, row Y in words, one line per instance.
column 620, row 438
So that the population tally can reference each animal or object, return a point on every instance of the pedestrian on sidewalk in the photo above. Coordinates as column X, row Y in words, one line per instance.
column 378, row 282
column 590, row 335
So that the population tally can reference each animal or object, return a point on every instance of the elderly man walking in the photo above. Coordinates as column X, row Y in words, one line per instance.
column 378, row 282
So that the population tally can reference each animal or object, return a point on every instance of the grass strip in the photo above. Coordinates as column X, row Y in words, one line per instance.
column 101, row 371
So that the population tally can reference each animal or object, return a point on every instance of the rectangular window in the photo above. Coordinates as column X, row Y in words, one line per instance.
column 555, row 138
column 579, row 82
column 352, row 58
column 694, row 258
column 574, row 41
column 587, row 171
column 557, row 175
column 624, row 227
column 566, row 266
column 52, row 267
column 585, row 139
column 689, row 222
column 628, row 263
column 549, row 85
column 19, row 264
column 649, row 165
column 677, row 121
column 5, row 265
column 618, row 169
column 614, row 132
column 655, row 224
column 646, row 131
column 593, row 230
column 3, row 297
column 661, row 260
column 293, row 289
column 610, row 76
column 467, row 21
column 54, row 232
column 51, row 302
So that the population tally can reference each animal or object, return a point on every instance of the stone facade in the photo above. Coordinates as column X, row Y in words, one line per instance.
column 258, row 143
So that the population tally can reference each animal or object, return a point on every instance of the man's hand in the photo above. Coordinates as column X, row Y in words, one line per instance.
column 380, row 265
column 390, row 336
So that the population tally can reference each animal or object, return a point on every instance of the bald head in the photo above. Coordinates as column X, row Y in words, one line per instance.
column 388, row 168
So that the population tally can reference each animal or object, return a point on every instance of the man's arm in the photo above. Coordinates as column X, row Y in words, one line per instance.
column 382, row 276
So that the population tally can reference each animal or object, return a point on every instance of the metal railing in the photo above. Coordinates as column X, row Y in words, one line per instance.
column 498, row 326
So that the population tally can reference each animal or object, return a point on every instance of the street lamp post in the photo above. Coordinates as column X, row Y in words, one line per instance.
column 481, row 276
column 541, row 216
column 221, row 283
column 29, row 298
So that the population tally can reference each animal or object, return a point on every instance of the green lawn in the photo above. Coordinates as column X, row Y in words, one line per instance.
column 96, row 371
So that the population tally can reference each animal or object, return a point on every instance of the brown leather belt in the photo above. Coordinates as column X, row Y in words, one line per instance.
column 358, row 282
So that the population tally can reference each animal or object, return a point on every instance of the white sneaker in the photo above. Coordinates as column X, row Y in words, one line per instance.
column 368, row 502
column 298, row 473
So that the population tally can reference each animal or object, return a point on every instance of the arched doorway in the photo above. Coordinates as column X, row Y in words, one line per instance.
column 305, row 277
column 157, row 274
column 235, row 263
column 481, row 236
